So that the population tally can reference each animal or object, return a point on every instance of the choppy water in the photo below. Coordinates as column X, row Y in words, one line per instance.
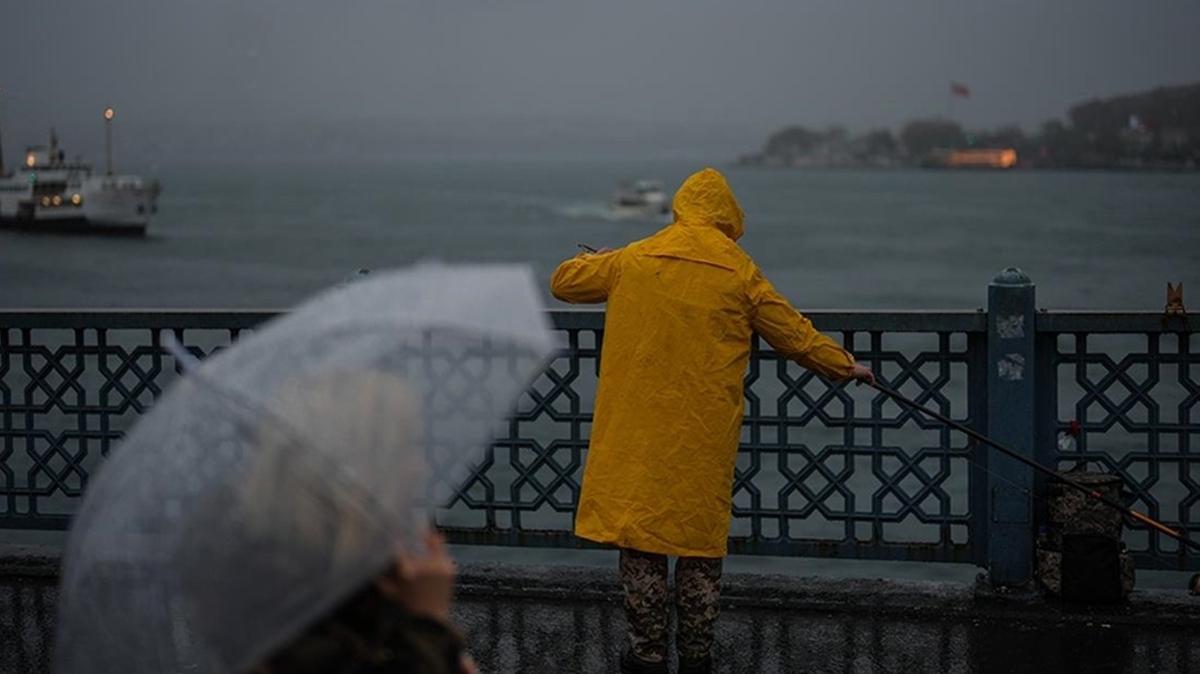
column 266, row 236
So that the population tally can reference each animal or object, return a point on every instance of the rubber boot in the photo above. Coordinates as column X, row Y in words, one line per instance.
column 632, row 664
column 703, row 666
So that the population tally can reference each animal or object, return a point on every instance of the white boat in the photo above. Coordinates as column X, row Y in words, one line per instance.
column 642, row 197
column 48, row 192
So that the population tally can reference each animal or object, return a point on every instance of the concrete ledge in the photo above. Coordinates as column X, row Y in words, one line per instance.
column 913, row 599
column 927, row 600
column 29, row 561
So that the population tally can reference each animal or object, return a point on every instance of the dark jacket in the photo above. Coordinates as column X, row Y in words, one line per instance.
column 369, row 634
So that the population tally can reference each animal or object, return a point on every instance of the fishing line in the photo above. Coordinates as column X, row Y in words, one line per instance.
column 1049, row 472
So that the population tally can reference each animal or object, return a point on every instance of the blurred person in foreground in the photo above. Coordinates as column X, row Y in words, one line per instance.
column 683, row 306
column 399, row 621
column 274, row 511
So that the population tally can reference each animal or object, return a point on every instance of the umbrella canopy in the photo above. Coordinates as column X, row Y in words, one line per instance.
column 281, row 474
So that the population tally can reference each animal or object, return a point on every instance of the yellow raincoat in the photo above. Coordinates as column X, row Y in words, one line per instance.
column 683, row 305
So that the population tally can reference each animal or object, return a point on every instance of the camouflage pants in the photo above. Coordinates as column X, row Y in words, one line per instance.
column 697, row 590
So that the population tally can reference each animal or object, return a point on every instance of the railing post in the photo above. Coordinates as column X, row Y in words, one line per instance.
column 1011, row 421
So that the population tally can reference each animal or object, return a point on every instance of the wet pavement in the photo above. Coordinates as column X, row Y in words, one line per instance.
column 565, row 620
column 569, row 620
column 541, row 636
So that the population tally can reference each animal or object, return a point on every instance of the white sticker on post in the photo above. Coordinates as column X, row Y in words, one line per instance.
column 1010, row 327
column 1011, row 367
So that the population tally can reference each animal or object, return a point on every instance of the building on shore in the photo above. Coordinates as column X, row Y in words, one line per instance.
column 972, row 158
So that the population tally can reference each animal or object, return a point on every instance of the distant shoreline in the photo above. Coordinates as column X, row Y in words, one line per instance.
column 1019, row 168
column 1153, row 131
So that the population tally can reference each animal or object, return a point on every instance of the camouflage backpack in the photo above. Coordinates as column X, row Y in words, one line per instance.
column 1080, row 556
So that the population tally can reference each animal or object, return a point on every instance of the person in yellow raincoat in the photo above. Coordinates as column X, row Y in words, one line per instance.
column 683, row 306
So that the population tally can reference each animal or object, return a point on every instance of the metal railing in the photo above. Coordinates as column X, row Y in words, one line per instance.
column 823, row 469
column 1123, row 391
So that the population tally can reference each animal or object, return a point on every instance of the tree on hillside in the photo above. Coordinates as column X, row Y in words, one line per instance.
column 1006, row 136
column 1060, row 145
column 921, row 136
column 793, row 141
column 880, row 142
column 1163, row 122
column 836, row 134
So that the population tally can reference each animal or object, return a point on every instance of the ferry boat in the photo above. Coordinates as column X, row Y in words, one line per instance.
column 642, row 197
column 48, row 192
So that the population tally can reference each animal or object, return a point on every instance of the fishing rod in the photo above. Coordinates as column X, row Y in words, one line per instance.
column 1049, row 472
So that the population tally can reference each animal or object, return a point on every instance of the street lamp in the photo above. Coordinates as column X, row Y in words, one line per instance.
column 109, row 113
column 2, row 173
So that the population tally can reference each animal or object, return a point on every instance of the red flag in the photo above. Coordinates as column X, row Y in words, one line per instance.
column 957, row 89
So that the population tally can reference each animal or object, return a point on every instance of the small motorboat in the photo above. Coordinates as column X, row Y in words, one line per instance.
column 641, row 198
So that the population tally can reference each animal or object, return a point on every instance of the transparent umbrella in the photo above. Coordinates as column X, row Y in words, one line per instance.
column 282, row 473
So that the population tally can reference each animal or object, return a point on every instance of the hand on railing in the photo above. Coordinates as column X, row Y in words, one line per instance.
column 861, row 374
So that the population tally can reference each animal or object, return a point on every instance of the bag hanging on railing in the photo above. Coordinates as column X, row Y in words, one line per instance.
column 1080, row 556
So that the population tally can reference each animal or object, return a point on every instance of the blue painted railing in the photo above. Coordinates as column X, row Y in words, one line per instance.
column 823, row 470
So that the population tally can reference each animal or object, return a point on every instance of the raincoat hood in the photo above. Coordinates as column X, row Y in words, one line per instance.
column 706, row 200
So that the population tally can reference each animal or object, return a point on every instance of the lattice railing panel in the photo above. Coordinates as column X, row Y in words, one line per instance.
column 67, row 396
column 829, row 469
column 824, row 469
column 1136, row 400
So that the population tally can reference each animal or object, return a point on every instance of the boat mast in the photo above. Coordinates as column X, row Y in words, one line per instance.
column 2, row 172
column 108, row 118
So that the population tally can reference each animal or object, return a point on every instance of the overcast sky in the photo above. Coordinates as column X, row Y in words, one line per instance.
column 685, row 69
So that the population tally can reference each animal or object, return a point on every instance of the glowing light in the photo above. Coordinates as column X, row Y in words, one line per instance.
column 999, row 158
column 109, row 113
column 45, row 201
column 31, row 160
column 76, row 199
column 57, row 200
